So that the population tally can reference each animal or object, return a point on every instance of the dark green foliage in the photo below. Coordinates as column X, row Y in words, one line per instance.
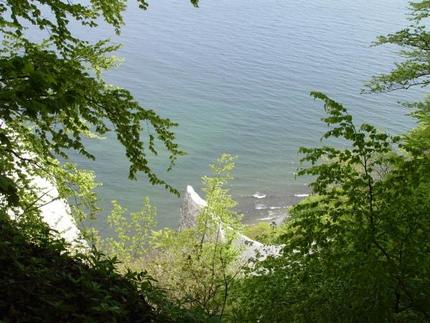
column 42, row 281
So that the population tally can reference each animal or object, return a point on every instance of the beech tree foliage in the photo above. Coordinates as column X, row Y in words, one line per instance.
column 52, row 96
column 52, row 93
column 196, row 267
column 358, row 248
column 414, row 41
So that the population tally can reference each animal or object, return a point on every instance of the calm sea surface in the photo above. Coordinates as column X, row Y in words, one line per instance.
column 236, row 76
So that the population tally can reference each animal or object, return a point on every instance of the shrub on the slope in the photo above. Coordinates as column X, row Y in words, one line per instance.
column 40, row 280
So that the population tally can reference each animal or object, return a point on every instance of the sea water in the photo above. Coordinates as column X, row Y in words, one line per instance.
column 236, row 76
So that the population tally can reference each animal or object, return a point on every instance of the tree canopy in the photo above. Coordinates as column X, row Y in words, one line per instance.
column 358, row 248
column 52, row 93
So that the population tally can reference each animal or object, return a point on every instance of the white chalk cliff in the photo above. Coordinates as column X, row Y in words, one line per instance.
column 56, row 212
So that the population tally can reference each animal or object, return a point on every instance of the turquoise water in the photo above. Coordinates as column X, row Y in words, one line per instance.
column 236, row 75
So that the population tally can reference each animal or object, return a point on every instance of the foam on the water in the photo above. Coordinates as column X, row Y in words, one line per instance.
column 260, row 206
column 259, row 195
column 301, row 195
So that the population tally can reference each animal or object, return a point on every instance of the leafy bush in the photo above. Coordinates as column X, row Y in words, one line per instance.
column 359, row 249
column 42, row 281
column 194, row 266
column 264, row 232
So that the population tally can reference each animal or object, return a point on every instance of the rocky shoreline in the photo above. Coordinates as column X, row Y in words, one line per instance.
column 250, row 249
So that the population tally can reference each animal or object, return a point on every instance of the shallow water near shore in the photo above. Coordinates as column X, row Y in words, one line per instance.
column 236, row 76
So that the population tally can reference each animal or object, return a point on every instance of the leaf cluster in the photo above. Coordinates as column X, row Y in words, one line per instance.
column 52, row 95
column 414, row 42
column 194, row 266
column 42, row 281
column 358, row 248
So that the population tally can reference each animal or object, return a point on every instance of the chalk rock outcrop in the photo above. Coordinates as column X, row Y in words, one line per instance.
column 192, row 205
column 250, row 249
column 56, row 212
